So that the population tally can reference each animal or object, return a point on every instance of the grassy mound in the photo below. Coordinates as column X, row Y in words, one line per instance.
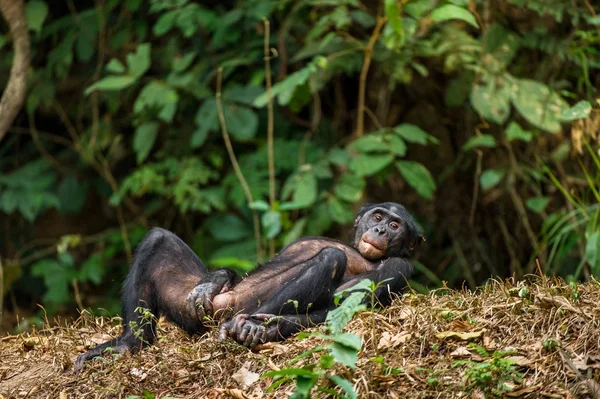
column 534, row 339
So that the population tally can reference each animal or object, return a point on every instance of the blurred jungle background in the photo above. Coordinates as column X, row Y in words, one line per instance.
column 243, row 125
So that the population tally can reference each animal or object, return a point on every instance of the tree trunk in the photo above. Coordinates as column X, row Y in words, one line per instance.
column 16, row 88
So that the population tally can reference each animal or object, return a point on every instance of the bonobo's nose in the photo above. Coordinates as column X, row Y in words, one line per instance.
column 379, row 230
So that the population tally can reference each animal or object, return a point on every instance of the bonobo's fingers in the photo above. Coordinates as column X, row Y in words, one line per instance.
column 198, row 303
column 263, row 316
column 260, row 336
column 232, row 327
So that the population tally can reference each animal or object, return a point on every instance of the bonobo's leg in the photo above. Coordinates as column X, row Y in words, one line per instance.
column 164, row 271
column 309, row 287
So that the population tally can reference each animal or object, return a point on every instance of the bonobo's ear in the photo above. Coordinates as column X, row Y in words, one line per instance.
column 415, row 242
column 364, row 209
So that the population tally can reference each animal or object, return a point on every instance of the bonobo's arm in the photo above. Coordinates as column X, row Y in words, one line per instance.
column 199, row 301
column 394, row 271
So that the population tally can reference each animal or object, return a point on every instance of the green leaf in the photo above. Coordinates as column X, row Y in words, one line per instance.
column 539, row 105
column 242, row 122
column 537, row 204
column 484, row 140
column 450, row 11
column 340, row 211
column 92, row 269
column 392, row 12
column 501, row 43
column 592, row 251
column 491, row 178
column 397, row 145
column 367, row 165
column 580, row 110
column 36, row 12
column 271, row 222
column 414, row 134
column 344, row 354
column 349, row 187
column 57, row 279
column 115, row 66
column 303, row 185
column 259, row 205
column 111, row 83
column 417, row 176
column 492, row 100
column 285, row 89
column 139, row 62
column 181, row 63
column 157, row 95
column 207, row 119
column 341, row 315
column 227, row 227
column 295, row 232
column 143, row 140
column 369, row 143
column 339, row 157
column 71, row 195
column 514, row 131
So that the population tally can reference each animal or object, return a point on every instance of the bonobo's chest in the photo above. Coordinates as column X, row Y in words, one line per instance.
column 307, row 248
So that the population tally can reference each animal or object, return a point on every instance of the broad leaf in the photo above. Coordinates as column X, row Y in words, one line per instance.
column 242, row 122
column 414, row 134
column 143, row 140
column 484, row 140
column 514, row 131
column 207, row 119
column 367, row 164
column 157, row 95
column 340, row 211
column 369, row 143
column 592, row 251
column 36, row 12
column 538, row 104
column 227, row 227
column 580, row 110
column 303, row 188
column 537, row 204
column 450, row 11
column 112, row 83
column 492, row 100
column 417, row 176
column 349, row 187
column 491, row 178
column 271, row 222
column 139, row 62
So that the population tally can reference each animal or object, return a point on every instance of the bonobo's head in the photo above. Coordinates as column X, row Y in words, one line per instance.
column 385, row 230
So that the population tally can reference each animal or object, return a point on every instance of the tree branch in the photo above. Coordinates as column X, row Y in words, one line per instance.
column 16, row 88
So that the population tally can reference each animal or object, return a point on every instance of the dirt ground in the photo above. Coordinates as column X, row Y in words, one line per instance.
column 536, row 339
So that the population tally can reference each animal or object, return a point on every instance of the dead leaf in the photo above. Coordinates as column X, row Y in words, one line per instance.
column 279, row 349
column 547, row 301
column 464, row 336
column 245, row 377
column 405, row 313
column 63, row 395
column 234, row 393
column 519, row 360
column 31, row 343
column 461, row 351
column 100, row 338
column 460, row 325
column 523, row 391
column 389, row 340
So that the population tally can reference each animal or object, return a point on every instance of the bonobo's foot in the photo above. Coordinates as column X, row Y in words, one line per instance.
column 199, row 301
column 249, row 330
column 99, row 351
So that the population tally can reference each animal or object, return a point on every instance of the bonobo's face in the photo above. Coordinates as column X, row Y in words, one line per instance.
column 385, row 230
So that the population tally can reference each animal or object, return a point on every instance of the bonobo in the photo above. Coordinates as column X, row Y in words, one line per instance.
column 293, row 290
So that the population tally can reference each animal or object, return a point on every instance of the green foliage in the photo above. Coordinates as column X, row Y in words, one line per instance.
column 492, row 374
column 340, row 348
column 122, row 118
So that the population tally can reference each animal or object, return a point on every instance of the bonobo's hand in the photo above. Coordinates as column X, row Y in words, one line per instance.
column 199, row 301
column 249, row 330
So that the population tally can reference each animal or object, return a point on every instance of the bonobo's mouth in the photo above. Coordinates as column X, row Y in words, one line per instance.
column 370, row 248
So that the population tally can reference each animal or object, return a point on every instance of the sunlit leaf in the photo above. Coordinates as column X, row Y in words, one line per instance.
column 271, row 222
column 539, row 105
column 414, row 134
column 417, row 176
column 580, row 110
column 484, row 140
column 369, row 143
column 157, row 95
column 450, row 11
column 349, row 187
column 514, row 131
column 340, row 211
column 592, row 250
column 139, row 62
column 112, row 83
column 492, row 100
column 491, row 177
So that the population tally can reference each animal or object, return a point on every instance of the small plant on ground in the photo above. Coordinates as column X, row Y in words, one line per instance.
column 493, row 375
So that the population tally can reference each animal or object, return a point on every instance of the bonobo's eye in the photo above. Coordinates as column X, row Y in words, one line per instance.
column 394, row 225
column 378, row 217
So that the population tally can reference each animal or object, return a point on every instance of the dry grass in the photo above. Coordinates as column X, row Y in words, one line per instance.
column 553, row 328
